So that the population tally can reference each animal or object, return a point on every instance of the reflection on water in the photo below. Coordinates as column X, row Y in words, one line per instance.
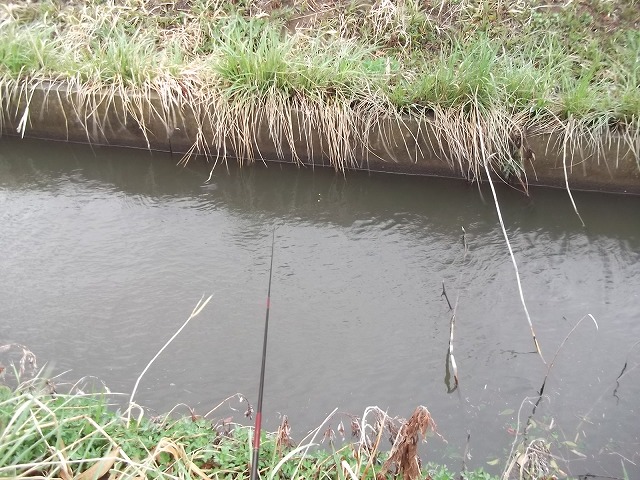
column 105, row 253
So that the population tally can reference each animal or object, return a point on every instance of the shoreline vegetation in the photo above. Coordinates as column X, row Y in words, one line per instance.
column 78, row 435
column 50, row 428
column 53, row 429
column 485, row 76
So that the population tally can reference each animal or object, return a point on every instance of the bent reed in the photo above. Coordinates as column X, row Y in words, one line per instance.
column 327, row 75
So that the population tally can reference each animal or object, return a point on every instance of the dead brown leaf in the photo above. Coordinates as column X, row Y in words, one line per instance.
column 101, row 468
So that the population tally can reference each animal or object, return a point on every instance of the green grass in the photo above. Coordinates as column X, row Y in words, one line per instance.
column 118, row 56
column 448, row 54
column 81, row 435
column 28, row 52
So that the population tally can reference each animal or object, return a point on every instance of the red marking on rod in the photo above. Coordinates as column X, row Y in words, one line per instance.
column 268, row 302
column 256, row 437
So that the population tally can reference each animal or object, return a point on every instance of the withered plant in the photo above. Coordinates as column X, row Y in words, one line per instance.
column 404, row 459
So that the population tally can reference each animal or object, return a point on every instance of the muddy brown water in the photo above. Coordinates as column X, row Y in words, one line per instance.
column 105, row 252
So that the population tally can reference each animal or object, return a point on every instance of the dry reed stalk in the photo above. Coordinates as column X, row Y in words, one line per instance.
column 567, row 135
column 196, row 310
column 465, row 245
column 515, row 265
column 365, row 444
column 506, row 238
column 83, row 382
column 452, row 323
column 239, row 396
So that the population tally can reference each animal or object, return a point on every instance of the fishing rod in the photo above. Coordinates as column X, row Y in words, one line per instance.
column 256, row 431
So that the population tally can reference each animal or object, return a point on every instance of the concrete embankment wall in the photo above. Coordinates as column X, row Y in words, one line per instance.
column 410, row 147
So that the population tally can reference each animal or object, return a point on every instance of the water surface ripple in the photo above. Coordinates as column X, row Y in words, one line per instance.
column 105, row 253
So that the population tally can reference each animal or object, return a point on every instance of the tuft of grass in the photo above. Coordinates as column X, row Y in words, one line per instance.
column 251, row 57
column 29, row 52
column 120, row 57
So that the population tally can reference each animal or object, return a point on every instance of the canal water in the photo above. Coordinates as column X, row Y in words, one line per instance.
column 105, row 252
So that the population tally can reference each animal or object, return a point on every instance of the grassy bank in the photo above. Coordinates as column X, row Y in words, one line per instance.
column 46, row 434
column 486, row 74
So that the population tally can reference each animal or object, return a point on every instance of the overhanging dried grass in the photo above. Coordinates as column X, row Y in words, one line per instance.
column 320, row 92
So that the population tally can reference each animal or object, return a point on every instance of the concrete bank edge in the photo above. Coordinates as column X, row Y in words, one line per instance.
column 51, row 112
